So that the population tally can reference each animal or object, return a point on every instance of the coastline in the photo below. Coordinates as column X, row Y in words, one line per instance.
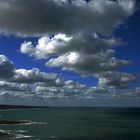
column 13, row 107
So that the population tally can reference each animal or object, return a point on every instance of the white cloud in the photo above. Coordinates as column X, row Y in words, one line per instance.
column 84, row 53
column 79, row 25
column 87, row 64
column 82, row 43
column 35, row 87
column 46, row 46
column 36, row 84
column 32, row 76
column 128, row 5
column 15, row 87
column 61, row 44
column 87, row 54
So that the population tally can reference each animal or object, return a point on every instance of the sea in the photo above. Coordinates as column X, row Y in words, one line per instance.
column 66, row 123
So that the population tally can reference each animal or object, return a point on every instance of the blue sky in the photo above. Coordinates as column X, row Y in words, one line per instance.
column 131, row 35
column 83, row 54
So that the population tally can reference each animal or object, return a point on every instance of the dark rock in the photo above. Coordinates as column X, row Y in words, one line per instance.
column 14, row 122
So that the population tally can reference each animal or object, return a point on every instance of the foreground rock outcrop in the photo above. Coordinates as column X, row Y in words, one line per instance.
column 6, row 133
column 8, row 122
column 14, row 122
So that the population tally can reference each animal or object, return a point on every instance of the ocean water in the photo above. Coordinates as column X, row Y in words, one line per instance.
column 74, row 124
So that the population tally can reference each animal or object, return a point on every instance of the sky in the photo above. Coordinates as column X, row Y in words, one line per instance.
column 70, row 52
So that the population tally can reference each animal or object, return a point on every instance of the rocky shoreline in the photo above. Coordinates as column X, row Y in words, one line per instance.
column 11, row 122
column 6, row 133
column 4, row 122
column 14, row 122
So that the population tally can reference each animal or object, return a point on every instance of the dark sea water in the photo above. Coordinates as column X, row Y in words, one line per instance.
column 74, row 124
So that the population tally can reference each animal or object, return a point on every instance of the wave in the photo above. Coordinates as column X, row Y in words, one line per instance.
column 20, row 136
column 53, row 138
column 21, row 131
column 23, row 122
column 14, row 134
column 34, row 123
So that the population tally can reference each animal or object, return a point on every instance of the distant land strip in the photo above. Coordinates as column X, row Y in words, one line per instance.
column 19, row 106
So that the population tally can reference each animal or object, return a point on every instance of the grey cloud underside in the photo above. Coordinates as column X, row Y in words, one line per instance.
column 6, row 67
column 87, row 65
column 115, row 79
column 38, row 17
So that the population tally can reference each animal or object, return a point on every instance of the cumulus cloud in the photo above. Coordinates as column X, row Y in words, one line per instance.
column 36, row 87
column 82, row 29
column 47, row 46
column 62, row 43
column 77, row 36
column 115, row 79
column 6, row 67
column 68, row 89
column 85, row 42
column 36, row 84
column 86, row 64
column 83, row 53
column 35, row 17
column 15, row 87
column 32, row 76
column 137, row 90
